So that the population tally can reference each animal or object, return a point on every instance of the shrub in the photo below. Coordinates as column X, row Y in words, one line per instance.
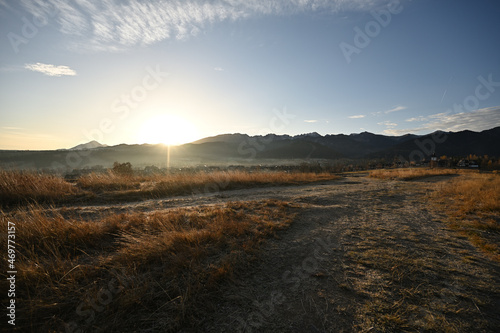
column 124, row 169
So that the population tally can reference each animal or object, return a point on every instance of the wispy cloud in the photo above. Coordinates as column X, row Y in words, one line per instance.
column 478, row 120
column 218, row 69
column 396, row 109
column 388, row 123
column 419, row 118
column 475, row 121
column 116, row 24
column 357, row 117
column 10, row 128
column 311, row 121
column 50, row 70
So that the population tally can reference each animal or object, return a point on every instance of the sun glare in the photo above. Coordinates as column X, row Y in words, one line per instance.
column 167, row 129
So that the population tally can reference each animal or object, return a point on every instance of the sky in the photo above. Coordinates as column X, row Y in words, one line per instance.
column 177, row 71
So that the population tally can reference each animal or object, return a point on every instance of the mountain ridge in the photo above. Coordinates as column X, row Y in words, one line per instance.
column 89, row 145
column 237, row 148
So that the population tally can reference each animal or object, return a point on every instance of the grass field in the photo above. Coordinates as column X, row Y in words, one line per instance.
column 164, row 266
column 25, row 187
column 472, row 203
column 124, row 269
column 409, row 174
column 174, row 258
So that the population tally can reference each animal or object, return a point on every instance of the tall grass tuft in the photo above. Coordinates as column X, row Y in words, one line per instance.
column 25, row 187
column 106, row 182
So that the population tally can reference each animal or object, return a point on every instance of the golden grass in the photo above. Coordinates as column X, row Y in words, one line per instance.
column 129, row 271
column 226, row 180
column 17, row 188
column 477, row 193
column 472, row 203
column 105, row 182
column 179, row 182
column 412, row 173
column 24, row 187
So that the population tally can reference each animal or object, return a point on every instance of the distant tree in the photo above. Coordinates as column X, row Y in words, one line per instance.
column 472, row 157
column 151, row 169
column 123, row 168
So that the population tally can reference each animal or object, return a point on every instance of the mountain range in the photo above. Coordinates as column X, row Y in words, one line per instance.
column 353, row 146
column 244, row 149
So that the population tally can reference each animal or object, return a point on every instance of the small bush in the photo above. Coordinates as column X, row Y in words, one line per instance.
column 123, row 169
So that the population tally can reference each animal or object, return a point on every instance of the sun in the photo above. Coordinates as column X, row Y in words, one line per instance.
column 167, row 129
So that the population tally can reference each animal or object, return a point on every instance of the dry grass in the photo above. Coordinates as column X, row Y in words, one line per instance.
column 195, row 182
column 408, row 282
column 106, row 182
column 472, row 203
column 226, row 180
column 411, row 273
column 409, row 174
column 19, row 188
column 26, row 187
column 123, row 272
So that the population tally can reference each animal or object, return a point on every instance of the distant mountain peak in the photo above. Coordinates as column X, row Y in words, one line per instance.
column 311, row 135
column 89, row 145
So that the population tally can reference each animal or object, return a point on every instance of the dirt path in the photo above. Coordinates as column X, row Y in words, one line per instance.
column 363, row 255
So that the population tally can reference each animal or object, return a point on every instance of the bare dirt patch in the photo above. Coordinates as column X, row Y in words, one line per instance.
column 364, row 256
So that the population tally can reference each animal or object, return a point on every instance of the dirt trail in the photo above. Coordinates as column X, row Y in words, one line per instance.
column 363, row 255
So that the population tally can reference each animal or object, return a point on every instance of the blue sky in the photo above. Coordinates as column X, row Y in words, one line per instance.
column 176, row 71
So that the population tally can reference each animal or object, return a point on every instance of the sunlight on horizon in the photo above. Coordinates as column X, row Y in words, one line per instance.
column 167, row 129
